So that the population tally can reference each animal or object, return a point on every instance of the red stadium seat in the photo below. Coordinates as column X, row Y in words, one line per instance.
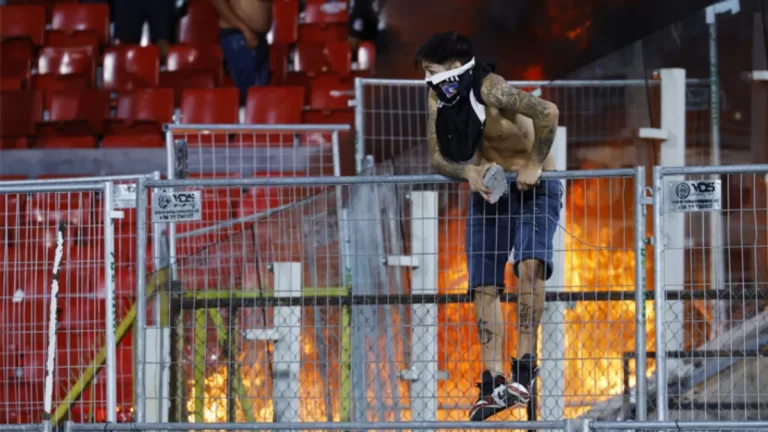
column 76, row 208
column 140, row 116
column 366, row 56
column 179, row 81
column 76, row 118
column 61, row 38
column 11, row 83
column 16, row 59
column 325, row 12
column 219, row 105
column 262, row 198
column 127, row 67
column 322, row 33
column 200, row 25
column 314, row 58
column 195, row 59
column 278, row 63
column 74, row 62
column 20, row 111
column 329, row 91
column 23, row 22
column 23, row 325
column 274, row 105
column 82, row 18
column 286, row 22
column 329, row 116
column 12, row 207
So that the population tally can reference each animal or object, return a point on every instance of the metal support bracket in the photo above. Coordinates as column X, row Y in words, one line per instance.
column 401, row 261
column 413, row 373
column 261, row 335
column 653, row 134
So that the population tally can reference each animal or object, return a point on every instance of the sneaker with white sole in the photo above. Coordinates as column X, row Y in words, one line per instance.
column 496, row 395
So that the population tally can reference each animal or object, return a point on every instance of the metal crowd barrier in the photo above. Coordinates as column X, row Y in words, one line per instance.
column 67, row 245
column 349, row 292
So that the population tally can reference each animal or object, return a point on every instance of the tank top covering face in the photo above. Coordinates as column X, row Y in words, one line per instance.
column 460, row 111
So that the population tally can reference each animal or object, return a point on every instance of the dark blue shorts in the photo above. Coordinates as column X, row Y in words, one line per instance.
column 523, row 222
column 248, row 67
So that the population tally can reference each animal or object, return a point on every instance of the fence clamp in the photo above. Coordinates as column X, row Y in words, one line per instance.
column 412, row 374
column 261, row 335
column 401, row 261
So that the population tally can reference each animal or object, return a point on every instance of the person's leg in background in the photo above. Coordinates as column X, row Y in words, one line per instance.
column 161, row 15
column 129, row 20
column 248, row 67
column 534, row 230
column 487, row 246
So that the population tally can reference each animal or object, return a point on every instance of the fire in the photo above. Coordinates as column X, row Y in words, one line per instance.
column 599, row 257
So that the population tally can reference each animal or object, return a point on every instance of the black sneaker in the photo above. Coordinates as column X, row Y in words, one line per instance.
column 496, row 395
column 524, row 373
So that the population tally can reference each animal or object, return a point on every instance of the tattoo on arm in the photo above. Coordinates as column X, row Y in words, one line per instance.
column 439, row 163
column 498, row 94
column 484, row 332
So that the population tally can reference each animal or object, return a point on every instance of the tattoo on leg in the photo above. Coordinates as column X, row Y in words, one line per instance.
column 484, row 332
column 526, row 316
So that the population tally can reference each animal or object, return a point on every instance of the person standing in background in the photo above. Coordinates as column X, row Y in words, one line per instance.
column 130, row 15
column 367, row 22
column 243, row 37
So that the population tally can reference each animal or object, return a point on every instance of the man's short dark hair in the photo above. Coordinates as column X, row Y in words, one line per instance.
column 444, row 48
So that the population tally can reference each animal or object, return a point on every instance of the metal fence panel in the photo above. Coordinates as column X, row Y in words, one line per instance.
column 52, row 268
column 299, row 315
column 41, row 221
column 222, row 150
column 713, row 322
column 602, row 118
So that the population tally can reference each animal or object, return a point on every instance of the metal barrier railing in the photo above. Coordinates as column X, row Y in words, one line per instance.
column 231, row 285
column 72, row 231
column 710, row 225
column 391, row 114
column 275, row 307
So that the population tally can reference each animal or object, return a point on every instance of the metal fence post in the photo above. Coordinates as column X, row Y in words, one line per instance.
column 424, row 244
column 553, row 321
column 141, row 299
column 659, row 302
column 109, row 298
column 359, row 125
column 287, row 354
column 673, row 238
column 641, row 383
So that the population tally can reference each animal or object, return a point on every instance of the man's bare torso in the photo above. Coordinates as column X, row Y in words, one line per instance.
column 508, row 139
column 257, row 14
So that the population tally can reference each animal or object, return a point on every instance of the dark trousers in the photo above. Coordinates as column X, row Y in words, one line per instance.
column 248, row 67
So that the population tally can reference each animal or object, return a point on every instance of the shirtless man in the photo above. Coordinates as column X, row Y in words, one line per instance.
column 478, row 122
column 243, row 37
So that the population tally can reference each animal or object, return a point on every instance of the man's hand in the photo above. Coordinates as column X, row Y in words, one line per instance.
column 474, row 176
column 528, row 176
column 250, row 37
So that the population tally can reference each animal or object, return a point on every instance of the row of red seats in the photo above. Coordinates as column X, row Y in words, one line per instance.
column 127, row 67
column 78, row 118
column 73, row 24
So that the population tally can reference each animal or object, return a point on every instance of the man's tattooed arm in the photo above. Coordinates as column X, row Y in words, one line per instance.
column 498, row 94
column 439, row 163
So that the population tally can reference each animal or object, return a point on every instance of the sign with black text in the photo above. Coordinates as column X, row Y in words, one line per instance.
column 691, row 196
column 176, row 206
column 124, row 196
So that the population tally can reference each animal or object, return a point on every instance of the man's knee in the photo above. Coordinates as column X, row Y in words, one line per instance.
column 483, row 293
column 531, row 270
